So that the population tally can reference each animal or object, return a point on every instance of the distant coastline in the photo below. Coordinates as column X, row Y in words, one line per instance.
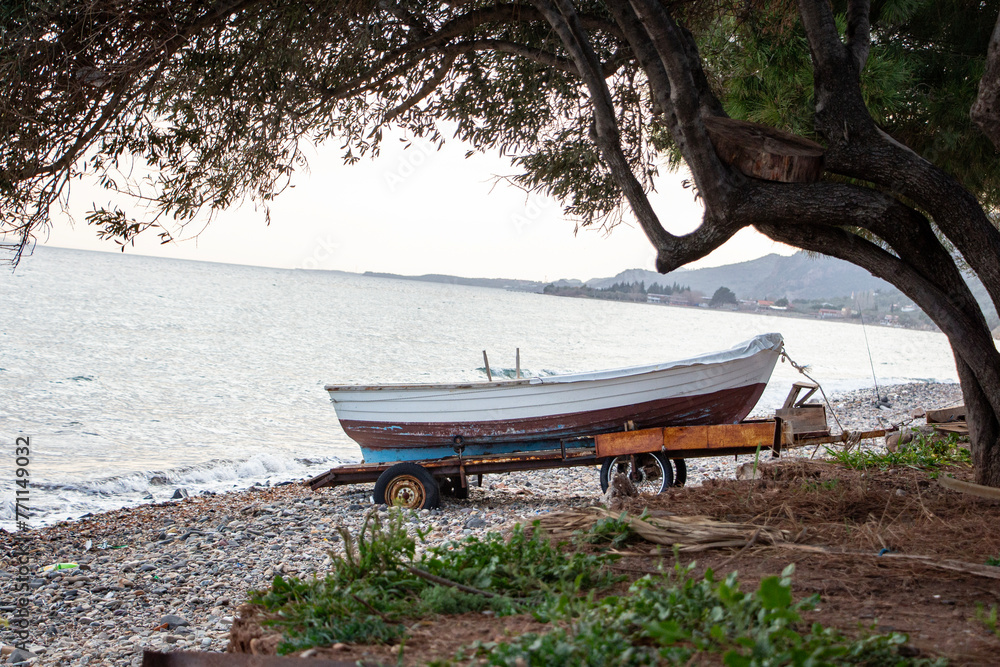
column 887, row 307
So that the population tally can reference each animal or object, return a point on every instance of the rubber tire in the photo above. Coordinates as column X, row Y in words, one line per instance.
column 407, row 480
column 664, row 463
column 452, row 487
column 680, row 472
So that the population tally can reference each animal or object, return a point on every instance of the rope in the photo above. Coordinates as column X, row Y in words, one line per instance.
column 871, row 362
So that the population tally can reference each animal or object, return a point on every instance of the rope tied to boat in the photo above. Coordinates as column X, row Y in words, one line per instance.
column 851, row 438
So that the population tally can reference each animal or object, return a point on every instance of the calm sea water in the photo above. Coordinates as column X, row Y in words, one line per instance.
column 134, row 376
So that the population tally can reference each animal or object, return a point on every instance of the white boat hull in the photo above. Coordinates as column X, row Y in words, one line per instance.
column 421, row 421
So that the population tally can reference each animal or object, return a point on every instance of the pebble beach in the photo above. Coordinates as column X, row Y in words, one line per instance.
column 171, row 576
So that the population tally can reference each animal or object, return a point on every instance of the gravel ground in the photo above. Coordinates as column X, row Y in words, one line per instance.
column 170, row 576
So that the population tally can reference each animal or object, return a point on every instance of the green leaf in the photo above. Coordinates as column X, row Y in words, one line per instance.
column 774, row 595
column 667, row 632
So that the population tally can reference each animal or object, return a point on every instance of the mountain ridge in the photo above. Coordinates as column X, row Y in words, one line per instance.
column 798, row 276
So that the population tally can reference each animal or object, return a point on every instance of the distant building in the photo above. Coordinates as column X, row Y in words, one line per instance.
column 827, row 313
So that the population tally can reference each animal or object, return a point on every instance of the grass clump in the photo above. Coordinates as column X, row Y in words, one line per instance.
column 922, row 452
column 379, row 583
column 989, row 618
column 993, row 561
column 670, row 619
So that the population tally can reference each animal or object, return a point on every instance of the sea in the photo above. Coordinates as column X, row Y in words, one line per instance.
column 133, row 376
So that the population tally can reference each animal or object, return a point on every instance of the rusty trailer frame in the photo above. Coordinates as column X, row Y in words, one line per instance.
column 675, row 442
column 459, row 466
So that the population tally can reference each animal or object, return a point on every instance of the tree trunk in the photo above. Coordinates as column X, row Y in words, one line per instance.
column 984, row 425
column 967, row 334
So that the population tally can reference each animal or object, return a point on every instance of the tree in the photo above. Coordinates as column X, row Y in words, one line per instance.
column 587, row 97
column 722, row 296
column 781, row 303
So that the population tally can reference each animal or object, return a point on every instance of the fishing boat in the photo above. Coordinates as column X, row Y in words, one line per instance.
column 412, row 422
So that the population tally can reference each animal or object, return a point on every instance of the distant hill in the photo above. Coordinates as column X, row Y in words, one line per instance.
column 798, row 276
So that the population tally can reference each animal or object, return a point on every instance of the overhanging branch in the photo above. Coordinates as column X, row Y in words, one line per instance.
column 562, row 17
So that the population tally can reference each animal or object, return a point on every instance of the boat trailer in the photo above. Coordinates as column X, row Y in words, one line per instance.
column 653, row 459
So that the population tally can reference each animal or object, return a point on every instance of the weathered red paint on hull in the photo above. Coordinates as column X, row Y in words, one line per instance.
column 727, row 406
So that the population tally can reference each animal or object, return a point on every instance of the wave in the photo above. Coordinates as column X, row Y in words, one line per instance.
column 54, row 501
column 202, row 474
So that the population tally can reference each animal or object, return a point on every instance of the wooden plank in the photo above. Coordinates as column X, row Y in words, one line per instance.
column 751, row 436
column 958, row 428
column 793, row 394
column 686, row 440
column 806, row 441
column 806, row 420
column 629, row 442
column 682, row 438
column 951, row 413
column 192, row 659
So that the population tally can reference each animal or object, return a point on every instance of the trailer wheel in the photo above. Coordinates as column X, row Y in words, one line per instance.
column 680, row 472
column 407, row 485
column 452, row 487
column 651, row 473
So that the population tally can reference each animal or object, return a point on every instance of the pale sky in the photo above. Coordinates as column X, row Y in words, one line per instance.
column 412, row 212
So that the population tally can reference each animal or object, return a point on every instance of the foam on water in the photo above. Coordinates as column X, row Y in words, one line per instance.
column 59, row 501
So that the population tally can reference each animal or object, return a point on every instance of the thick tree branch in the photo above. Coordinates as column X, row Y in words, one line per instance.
column 648, row 59
column 713, row 179
column 986, row 110
column 968, row 338
column 859, row 31
column 860, row 149
column 562, row 17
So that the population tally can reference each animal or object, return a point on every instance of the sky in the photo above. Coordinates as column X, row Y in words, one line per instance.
column 413, row 211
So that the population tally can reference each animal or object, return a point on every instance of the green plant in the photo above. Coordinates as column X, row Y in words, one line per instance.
column 378, row 583
column 669, row 619
column 993, row 561
column 988, row 618
column 922, row 452
column 610, row 531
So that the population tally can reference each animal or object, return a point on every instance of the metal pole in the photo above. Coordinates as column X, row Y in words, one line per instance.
column 489, row 376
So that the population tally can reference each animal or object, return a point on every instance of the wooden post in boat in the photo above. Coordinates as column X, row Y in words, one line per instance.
column 489, row 376
column 517, row 362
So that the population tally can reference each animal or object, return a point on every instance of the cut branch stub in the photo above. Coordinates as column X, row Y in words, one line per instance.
column 764, row 152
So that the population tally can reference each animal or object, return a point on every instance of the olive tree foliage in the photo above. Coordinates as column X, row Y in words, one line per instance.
column 723, row 296
column 193, row 107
